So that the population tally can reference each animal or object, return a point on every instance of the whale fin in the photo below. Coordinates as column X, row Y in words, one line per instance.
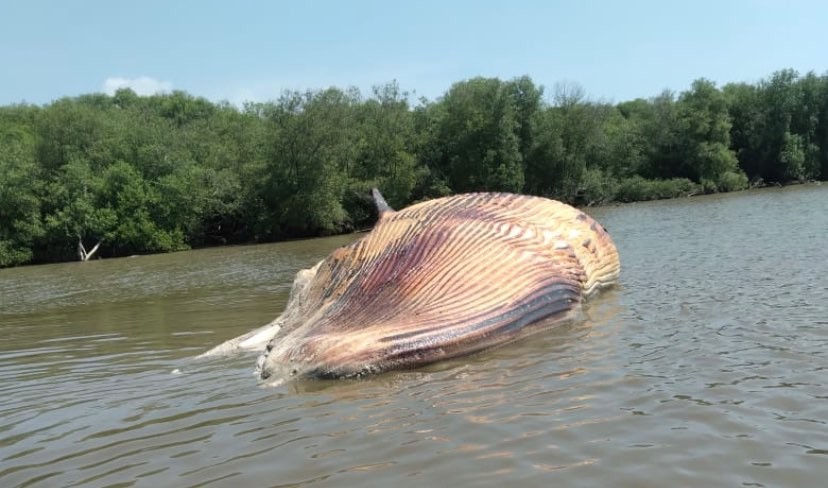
column 382, row 206
column 252, row 341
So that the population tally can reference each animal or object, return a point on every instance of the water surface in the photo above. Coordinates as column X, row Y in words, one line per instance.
column 706, row 366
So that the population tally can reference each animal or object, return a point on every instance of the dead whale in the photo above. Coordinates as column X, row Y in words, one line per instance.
column 437, row 280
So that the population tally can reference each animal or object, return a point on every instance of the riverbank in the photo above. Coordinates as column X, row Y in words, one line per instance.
column 585, row 206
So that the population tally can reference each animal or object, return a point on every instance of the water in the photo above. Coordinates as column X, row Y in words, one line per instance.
column 706, row 367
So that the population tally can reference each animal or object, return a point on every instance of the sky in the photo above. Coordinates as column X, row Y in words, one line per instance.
column 246, row 50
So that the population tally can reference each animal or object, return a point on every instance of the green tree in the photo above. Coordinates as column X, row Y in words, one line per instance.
column 660, row 126
column 792, row 157
column 810, row 108
column 528, row 102
column 141, row 223
column 747, row 126
column 310, row 152
column 477, row 131
column 704, row 129
column 546, row 171
column 74, row 219
column 571, row 143
column 626, row 145
column 780, row 126
column 384, row 157
column 20, row 193
column 777, row 99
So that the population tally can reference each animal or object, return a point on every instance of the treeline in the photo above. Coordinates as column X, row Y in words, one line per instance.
column 173, row 171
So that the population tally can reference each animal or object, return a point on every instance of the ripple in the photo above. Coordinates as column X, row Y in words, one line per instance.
column 706, row 367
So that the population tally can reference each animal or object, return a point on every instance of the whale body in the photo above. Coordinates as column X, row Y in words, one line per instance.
column 437, row 280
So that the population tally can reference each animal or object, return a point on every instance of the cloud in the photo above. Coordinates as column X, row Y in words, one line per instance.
column 143, row 85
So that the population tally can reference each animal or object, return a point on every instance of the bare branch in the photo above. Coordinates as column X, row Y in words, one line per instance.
column 93, row 251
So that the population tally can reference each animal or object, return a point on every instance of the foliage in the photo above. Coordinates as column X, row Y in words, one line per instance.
column 703, row 135
column 174, row 171
column 780, row 126
column 20, row 193
column 476, row 128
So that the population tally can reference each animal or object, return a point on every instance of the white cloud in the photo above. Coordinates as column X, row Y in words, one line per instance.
column 143, row 85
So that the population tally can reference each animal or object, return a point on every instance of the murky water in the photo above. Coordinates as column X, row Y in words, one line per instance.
column 707, row 366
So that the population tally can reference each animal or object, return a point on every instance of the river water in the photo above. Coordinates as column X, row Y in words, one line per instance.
column 706, row 366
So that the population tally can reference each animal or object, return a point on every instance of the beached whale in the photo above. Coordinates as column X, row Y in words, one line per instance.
column 437, row 280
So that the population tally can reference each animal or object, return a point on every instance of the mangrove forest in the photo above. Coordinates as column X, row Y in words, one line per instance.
column 99, row 175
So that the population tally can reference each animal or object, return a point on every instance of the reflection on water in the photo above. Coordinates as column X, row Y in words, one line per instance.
column 705, row 367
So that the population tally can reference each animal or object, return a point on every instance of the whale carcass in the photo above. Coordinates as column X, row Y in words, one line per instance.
column 437, row 280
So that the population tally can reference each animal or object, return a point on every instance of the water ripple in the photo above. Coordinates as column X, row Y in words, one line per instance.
column 706, row 367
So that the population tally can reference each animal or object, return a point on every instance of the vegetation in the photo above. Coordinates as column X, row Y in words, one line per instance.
column 125, row 174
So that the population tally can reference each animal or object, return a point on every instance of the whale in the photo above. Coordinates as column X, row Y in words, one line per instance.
column 440, row 279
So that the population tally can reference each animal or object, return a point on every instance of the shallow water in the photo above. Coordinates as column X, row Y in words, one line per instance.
column 706, row 366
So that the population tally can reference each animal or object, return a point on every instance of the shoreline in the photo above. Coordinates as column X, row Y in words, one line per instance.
column 362, row 231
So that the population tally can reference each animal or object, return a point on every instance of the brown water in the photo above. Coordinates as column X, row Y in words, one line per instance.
column 707, row 366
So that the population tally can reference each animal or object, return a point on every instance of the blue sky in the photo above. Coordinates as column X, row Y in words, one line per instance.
column 252, row 50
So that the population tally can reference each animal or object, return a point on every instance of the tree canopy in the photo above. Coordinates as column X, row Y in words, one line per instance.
column 174, row 171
